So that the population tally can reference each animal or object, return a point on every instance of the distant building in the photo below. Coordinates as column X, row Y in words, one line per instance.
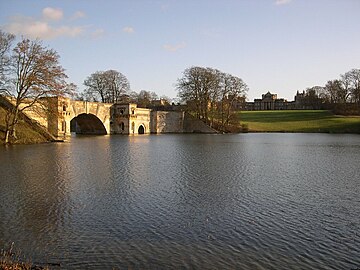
column 268, row 101
column 299, row 101
column 308, row 100
column 238, row 103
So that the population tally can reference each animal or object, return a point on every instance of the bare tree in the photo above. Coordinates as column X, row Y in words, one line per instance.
column 144, row 98
column 95, row 87
column 118, row 85
column 6, row 41
column 199, row 88
column 314, row 97
column 34, row 72
column 106, row 86
column 353, row 80
column 210, row 93
column 336, row 91
column 232, row 88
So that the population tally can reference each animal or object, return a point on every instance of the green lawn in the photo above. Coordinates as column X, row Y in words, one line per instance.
column 299, row 121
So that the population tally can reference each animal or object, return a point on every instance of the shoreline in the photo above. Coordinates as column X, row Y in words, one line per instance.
column 228, row 133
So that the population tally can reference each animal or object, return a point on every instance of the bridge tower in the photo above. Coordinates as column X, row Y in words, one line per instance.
column 127, row 118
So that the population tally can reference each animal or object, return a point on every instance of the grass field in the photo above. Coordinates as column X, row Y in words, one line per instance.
column 299, row 121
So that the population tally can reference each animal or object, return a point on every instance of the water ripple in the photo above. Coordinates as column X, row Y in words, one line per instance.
column 252, row 201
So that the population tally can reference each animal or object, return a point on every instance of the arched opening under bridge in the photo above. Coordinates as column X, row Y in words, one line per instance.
column 87, row 124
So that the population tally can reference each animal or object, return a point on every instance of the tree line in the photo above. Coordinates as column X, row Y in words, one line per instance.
column 341, row 95
column 112, row 86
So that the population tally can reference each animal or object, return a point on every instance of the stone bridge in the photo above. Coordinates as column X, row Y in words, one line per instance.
column 60, row 116
column 66, row 116
column 85, row 117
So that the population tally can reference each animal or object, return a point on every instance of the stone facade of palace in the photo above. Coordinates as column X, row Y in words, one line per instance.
column 268, row 101
column 271, row 101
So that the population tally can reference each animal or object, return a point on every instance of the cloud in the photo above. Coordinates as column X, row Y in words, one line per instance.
column 54, row 14
column 282, row 2
column 98, row 33
column 32, row 28
column 128, row 29
column 174, row 48
column 78, row 15
column 69, row 31
column 51, row 24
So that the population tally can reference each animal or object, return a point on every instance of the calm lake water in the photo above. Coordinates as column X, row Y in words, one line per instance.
column 248, row 201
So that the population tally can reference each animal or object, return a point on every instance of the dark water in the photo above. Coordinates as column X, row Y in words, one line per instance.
column 251, row 201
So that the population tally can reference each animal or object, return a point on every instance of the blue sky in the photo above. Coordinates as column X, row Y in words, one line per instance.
column 279, row 46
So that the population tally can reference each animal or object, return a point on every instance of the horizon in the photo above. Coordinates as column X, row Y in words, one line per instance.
column 280, row 46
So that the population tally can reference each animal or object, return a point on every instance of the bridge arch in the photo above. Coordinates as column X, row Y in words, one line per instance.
column 87, row 123
column 141, row 129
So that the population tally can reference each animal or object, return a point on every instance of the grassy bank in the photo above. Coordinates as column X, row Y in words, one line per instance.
column 25, row 133
column 299, row 121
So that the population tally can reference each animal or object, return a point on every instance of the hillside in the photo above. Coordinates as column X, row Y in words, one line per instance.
column 26, row 132
column 299, row 121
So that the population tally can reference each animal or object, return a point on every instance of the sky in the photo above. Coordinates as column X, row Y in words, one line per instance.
column 279, row 46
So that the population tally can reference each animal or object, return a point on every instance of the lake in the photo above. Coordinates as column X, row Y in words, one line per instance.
column 240, row 201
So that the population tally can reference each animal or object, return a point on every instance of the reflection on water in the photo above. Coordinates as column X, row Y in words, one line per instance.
column 250, row 201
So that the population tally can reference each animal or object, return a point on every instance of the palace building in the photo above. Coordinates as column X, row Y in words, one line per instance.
column 268, row 101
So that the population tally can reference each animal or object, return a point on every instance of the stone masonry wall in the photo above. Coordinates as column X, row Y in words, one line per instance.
column 167, row 122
